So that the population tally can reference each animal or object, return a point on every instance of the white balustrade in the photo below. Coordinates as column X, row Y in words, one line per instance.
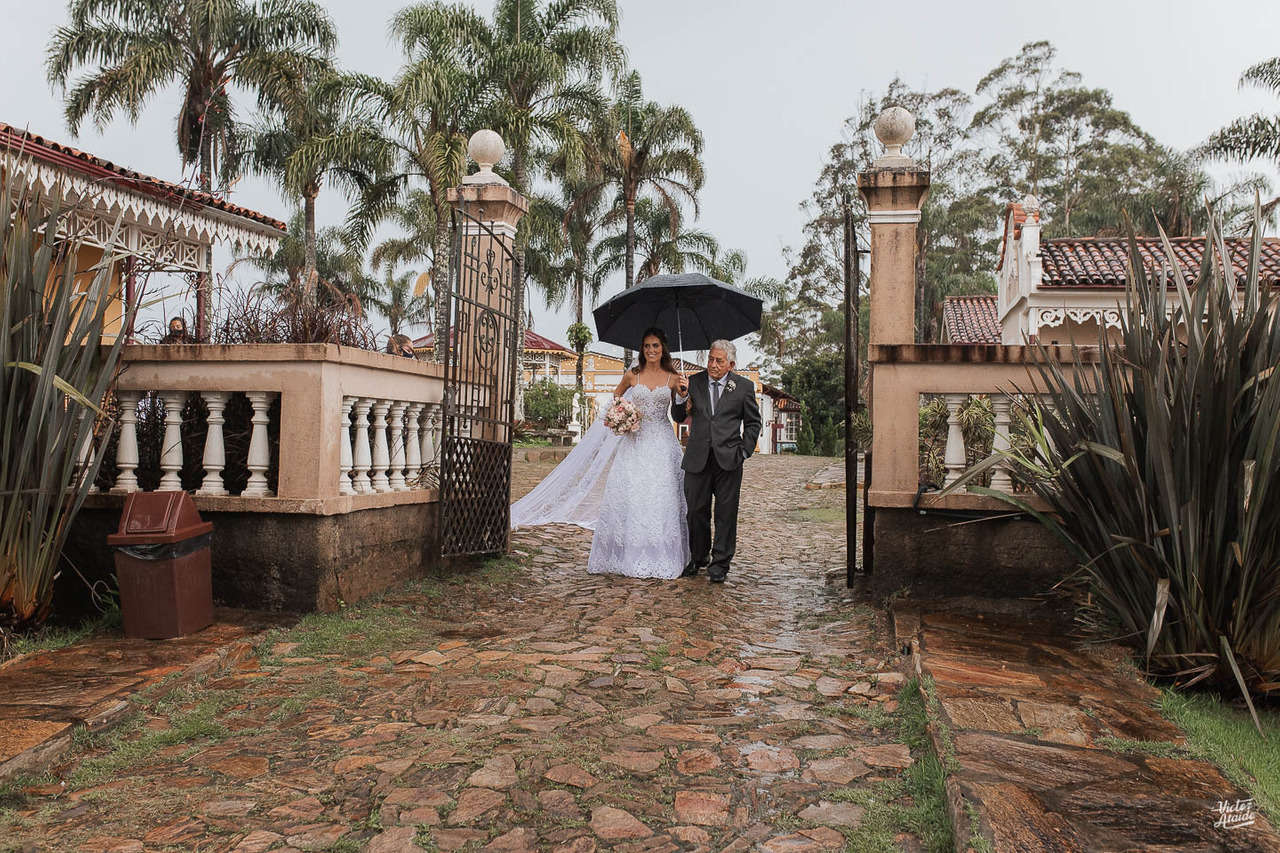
column 127, row 446
column 413, row 444
column 215, row 450
column 345, row 486
column 362, row 460
column 395, row 429
column 1001, row 443
column 171, row 446
column 381, row 451
column 384, row 445
column 953, row 460
column 259, row 452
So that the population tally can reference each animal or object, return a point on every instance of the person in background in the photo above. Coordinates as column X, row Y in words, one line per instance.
column 177, row 333
column 401, row 345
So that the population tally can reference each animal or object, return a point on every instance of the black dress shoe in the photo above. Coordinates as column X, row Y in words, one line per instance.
column 716, row 578
column 690, row 570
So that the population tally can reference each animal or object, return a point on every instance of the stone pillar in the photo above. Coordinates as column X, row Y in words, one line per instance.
column 894, row 188
column 486, row 197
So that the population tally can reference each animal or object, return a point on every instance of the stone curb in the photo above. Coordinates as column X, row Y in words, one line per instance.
column 906, row 631
column 114, row 710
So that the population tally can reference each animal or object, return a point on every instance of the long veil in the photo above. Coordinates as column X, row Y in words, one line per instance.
column 572, row 492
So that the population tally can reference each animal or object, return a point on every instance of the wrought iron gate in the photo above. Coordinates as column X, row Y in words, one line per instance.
column 479, row 389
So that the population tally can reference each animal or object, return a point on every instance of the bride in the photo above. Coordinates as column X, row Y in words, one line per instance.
column 629, row 488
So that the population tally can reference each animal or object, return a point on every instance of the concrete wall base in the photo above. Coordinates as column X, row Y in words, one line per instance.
column 278, row 561
column 933, row 556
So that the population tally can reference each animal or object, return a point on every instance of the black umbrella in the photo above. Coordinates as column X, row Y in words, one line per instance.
column 693, row 310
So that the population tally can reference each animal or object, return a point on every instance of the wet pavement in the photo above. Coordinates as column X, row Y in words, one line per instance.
column 530, row 707
column 1054, row 748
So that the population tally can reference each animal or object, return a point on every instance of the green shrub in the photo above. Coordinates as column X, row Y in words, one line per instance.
column 1165, row 483
column 547, row 403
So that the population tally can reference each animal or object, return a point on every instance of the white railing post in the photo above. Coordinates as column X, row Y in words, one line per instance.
column 171, row 449
column 215, row 449
column 381, row 454
column 361, row 458
column 1001, row 443
column 954, row 459
column 259, row 452
column 345, row 486
column 127, row 446
column 429, row 442
column 413, row 446
column 395, row 426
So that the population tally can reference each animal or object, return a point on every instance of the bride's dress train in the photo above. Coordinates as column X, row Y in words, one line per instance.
column 628, row 489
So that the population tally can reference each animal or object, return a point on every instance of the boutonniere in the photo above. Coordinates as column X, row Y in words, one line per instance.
column 730, row 386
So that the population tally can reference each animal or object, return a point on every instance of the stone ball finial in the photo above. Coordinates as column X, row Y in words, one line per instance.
column 487, row 149
column 894, row 127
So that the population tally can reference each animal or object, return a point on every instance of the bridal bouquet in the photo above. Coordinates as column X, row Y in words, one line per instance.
column 622, row 417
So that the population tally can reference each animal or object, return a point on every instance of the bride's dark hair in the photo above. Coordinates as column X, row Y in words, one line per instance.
column 666, row 362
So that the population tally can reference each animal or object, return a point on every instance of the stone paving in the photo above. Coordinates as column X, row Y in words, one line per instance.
column 1055, row 748
column 531, row 707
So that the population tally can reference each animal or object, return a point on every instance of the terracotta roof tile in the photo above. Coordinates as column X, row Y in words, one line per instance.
column 48, row 151
column 1102, row 261
column 971, row 319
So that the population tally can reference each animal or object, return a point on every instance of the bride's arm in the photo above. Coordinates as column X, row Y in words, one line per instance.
column 628, row 378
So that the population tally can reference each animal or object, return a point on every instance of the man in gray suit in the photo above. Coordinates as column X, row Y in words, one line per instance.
column 725, row 423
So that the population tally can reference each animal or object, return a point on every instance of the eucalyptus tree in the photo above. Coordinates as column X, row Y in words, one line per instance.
column 396, row 299
column 133, row 49
column 426, row 113
column 306, row 111
column 642, row 149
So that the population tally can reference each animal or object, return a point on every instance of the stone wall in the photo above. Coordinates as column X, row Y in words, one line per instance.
column 280, row 561
column 937, row 555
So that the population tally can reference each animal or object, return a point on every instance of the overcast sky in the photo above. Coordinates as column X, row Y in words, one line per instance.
column 770, row 82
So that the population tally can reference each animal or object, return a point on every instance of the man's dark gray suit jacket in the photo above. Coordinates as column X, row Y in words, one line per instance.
column 730, row 433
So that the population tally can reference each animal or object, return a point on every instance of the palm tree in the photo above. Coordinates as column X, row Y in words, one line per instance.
column 396, row 300
column 416, row 217
column 1256, row 135
column 339, row 269
column 135, row 48
column 642, row 149
column 307, row 111
column 663, row 244
column 426, row 112
column 545, row 61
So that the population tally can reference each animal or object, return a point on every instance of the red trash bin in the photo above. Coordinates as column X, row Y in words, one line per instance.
column 163, row 566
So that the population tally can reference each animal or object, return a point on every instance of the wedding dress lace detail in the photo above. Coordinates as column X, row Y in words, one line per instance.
column 642, row 531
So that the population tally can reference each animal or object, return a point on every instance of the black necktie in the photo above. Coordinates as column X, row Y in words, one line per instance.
column 715, row 396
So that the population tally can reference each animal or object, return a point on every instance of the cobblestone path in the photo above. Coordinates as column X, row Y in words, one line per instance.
column 530, row 707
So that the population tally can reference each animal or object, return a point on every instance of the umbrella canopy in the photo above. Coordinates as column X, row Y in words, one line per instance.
column 693, row 310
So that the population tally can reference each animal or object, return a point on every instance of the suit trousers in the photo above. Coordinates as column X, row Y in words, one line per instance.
column 700, row 489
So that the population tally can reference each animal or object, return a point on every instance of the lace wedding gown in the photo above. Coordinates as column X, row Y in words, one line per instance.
column 642, row 531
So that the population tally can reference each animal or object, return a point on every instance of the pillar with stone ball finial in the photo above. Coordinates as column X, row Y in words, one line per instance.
column 490, row 211
column 894, row 188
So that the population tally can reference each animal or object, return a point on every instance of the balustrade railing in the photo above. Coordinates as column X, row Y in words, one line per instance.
column 308, row 423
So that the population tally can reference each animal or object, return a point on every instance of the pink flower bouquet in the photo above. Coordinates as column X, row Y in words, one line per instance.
column 622, row 417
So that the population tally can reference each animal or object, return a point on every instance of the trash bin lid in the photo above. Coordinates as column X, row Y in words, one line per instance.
column 158, row 517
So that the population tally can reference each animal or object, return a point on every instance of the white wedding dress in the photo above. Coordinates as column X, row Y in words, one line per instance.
column 628, row 489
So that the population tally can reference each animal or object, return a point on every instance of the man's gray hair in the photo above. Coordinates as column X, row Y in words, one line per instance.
column 726, row 347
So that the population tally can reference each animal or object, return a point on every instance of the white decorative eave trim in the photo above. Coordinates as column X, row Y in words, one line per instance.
column 184, row 219
column 893, row 217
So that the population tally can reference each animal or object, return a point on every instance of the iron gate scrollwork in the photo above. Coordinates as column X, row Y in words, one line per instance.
column 480, row 389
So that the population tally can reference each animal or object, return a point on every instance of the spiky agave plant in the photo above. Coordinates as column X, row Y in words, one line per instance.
column 54, row 371
column 1161, row 462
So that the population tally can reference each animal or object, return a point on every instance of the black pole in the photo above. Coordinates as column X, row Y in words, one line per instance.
column 850, row 395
